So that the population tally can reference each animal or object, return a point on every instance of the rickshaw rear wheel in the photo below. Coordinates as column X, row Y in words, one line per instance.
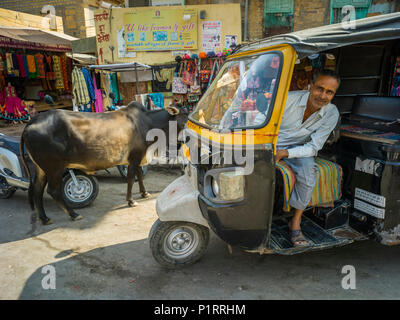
column 177, row 244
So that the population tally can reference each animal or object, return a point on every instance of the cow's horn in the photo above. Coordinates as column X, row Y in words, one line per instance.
column 172, row 110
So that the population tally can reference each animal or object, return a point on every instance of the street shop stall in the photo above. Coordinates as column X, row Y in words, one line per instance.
column 186, row 80
column 34, row 72
column 124, row 73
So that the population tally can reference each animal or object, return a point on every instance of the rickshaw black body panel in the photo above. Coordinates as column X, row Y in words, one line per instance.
column 245, row 224
column 383, row 179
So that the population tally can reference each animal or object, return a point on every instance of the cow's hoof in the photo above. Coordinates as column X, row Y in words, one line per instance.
column 77, row 217
column 146, row 195
column 132, row 203
column 47, row 221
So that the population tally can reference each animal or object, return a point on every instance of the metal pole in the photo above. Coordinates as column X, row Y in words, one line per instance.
column 136, row 75
column 246, row 9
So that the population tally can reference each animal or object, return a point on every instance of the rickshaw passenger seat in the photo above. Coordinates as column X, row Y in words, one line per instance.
column 328, row 187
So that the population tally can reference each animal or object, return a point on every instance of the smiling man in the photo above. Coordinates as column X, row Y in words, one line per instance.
column 307, row 122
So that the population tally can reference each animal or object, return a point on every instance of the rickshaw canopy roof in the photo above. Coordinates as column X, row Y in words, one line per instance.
column 310, row 41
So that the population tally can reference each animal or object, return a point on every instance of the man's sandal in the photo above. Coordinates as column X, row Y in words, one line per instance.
column 298, row 239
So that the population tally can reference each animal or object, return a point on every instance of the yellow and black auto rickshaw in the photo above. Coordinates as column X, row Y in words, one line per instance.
column 232, row 184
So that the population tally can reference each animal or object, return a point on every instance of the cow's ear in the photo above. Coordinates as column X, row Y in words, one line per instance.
column 173, row 111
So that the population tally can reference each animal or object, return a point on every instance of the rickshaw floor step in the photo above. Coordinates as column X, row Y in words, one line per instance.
column 316, row 236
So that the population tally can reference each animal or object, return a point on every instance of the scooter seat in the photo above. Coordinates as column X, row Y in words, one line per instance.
column 10, row 143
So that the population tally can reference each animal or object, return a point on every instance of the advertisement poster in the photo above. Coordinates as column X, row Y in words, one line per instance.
column 161, row 29
column 230, row 41
column 122, row 45
column 211, row 31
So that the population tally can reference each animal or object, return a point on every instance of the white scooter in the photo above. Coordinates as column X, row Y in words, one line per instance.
column 79, row 189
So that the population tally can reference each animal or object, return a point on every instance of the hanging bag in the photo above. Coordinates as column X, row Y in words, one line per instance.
column 205, row 73
column 188, row 74
column 195, row 88
column 178, row 85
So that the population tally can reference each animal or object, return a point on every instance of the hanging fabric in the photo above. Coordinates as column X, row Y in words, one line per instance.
column 40, row 65
column 98, row 104
column 114, row 87
column 79, row 90
column 31, row 66
column 89, row 84
column 21, row 66
column 15, row 64
column 57, row 72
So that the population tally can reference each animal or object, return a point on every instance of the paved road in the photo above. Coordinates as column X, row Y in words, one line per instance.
column 106, row 256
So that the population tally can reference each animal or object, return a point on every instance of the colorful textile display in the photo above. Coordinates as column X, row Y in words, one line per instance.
column 89, row 83
column 114, row 87
column 21, row 66
column 57, row 72
column 79, row 90
column 13, row 107
column 327, row 188
column 31, row 66
column 40, row 65
column 98, row 104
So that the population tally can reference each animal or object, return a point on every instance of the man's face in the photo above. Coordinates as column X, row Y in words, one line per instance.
column 323, row 91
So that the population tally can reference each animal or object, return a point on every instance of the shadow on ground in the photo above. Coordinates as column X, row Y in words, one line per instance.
column 15, row 215
column 128, row 271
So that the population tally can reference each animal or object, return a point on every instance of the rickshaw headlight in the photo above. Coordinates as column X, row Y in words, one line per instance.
column 225, row 185
column 215, row 186
column 231, row 185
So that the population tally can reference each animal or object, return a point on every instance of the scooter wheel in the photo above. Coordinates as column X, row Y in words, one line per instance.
column 82, row 195
column 177, row 244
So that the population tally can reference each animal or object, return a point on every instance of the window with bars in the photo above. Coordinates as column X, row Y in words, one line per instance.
column 278, row 16
column 361, row 8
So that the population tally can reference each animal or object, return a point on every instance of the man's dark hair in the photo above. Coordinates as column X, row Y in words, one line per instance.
column 327, row 73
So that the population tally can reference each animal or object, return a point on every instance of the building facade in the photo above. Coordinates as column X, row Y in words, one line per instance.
column 77, row 15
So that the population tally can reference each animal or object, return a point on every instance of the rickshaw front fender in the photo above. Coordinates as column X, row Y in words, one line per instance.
column 179, row 202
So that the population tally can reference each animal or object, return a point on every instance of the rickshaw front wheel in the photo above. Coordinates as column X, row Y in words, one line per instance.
column 176, row 244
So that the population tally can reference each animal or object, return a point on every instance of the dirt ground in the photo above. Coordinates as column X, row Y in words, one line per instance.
column 11, row 129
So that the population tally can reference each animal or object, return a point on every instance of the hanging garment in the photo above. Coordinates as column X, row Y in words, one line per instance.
column 114, row 87
column 163, row 76
column 98, row 104
column 158, row 99
column 21, row 66
column 13, row 104
column 89, row 84
column 25, row 65
column 15, row 64
column 31, row 66
column 63, row 64
column 40, row 65
column 104, row 80
column 79, row 88
column 57, row 72
column 49, row 68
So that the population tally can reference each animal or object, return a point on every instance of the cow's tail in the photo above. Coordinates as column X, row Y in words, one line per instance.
column 23, row 160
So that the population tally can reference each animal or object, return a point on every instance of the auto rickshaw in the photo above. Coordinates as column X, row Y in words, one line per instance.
column 245, row 203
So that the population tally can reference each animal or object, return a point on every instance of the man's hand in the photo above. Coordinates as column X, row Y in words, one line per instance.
column 281, row 154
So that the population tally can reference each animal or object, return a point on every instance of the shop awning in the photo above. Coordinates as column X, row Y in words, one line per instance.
column 309, row 41
column 85, row 59
column 121, row 67
column 20, row 36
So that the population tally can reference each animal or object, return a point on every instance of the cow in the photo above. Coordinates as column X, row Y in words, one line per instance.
column 59, row 139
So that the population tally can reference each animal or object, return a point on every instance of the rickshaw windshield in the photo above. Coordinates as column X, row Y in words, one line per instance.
column 241, row 95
